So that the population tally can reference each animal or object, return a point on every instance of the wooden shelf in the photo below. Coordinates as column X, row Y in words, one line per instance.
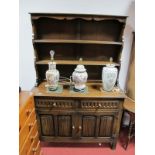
column 76, row 41
column 75, row 62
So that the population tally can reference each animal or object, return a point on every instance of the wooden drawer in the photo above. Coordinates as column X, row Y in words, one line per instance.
column 100, row 104
column 77, row 103
column 29, row 140
column 26, row 128
column 35, row 147
column 38, row 150
column 54, row 103
column 25, row 112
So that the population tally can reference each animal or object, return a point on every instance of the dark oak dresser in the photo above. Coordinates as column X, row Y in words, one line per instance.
column 74, row 117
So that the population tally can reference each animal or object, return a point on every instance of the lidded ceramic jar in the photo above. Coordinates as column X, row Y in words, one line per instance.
column 79, row 77
column 52, row 74
column 109, row 76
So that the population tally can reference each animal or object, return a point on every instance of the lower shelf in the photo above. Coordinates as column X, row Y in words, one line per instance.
column 100, row 141
column 74, row 140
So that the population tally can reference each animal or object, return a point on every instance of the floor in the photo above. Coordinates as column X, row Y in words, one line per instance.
column 89, row 149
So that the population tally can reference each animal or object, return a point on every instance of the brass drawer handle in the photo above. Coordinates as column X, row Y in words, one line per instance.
column 80, row 127
column 54, row 104
column 35, row 149
column 34, row 137
column 28, row 111
column 99, row 105
column 30, row 125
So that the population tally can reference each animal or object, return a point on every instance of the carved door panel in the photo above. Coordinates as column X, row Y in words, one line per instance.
column 92, row 124
column 47, row 125
column 56, row 124
column 88, row 125
column 64, row 125
column 106, row 126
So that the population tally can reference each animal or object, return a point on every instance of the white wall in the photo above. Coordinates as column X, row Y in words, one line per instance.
column 111, row 7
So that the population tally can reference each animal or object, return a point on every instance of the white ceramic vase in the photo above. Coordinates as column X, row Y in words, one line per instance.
column 79, row 77
column 109, row 77
column 52, row 76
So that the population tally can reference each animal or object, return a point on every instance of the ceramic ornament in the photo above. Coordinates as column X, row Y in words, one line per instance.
column 109, row 76
column 52, row 74
column 79, row 77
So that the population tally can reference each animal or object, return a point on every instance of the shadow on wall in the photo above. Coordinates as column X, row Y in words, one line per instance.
column 130, row 28
column 128, row 37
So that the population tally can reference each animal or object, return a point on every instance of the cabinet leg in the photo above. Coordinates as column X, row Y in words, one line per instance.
column 129, row 134
column 113, row 145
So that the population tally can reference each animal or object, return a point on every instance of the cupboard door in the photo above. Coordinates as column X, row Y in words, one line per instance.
column 47, row 125
column 64, row 123
column 106, row 126
column 100, row 124
column 56, row 124
column 88, row 125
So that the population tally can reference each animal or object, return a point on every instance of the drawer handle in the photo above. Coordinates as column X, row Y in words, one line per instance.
column 54, row 104
column 100, row 105
column 30, row 126
column 80, row 127
column 35, row 149
column 73, row 127
column 34, row 137
column 28, row 111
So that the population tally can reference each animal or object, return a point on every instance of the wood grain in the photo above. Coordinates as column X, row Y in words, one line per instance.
column 93, row 116
column 76, row 62
column 94, row 91
column 27, row 123
column 76, row 41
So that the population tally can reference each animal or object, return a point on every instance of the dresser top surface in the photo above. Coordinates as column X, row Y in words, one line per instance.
column 94, row 91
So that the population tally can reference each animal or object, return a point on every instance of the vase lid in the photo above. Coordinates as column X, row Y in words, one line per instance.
column 80, row 68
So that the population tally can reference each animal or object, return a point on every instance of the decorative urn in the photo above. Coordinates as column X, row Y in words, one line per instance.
column 52, row 74
column 109, row 76
column 79, row 77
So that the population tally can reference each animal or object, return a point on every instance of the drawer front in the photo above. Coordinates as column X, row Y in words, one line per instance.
column 26, row 128
column 38, row 150
column 29, row 140
column 35, row 147
column 100, row 104
column 25, row 113
column 55, row 103
column 78, row 103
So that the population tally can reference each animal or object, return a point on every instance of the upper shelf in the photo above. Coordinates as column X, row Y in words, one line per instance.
column 75, row 62
column 77, row 41
column 65, row 16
